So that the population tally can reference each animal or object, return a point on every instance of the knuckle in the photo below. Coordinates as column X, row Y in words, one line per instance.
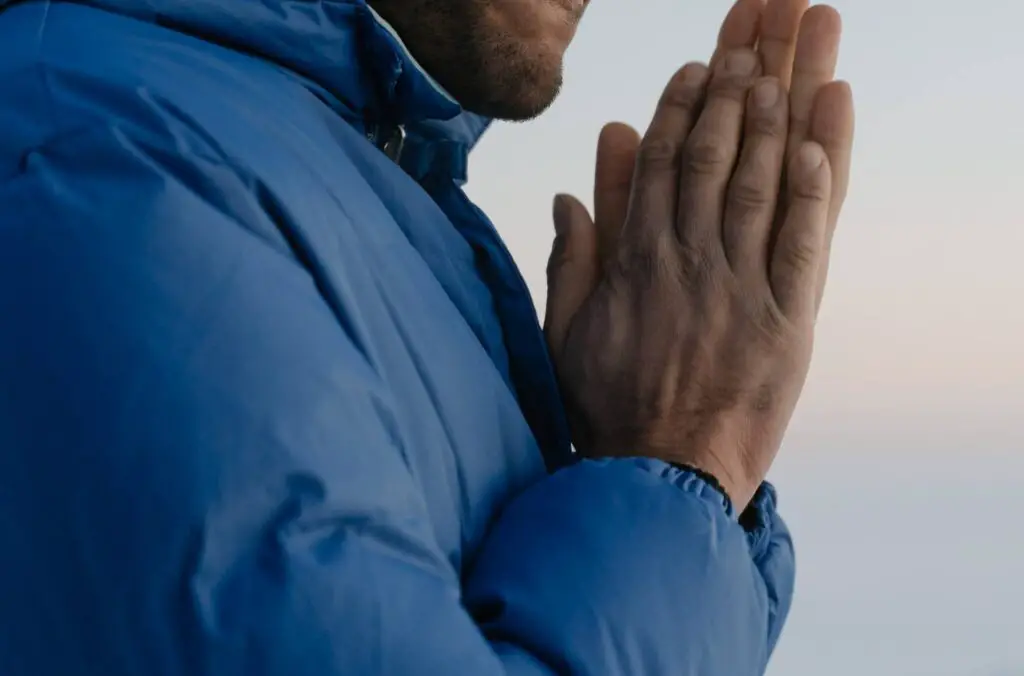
column 801, row 253
column 715, row 397
column 799, row 123
column 773, row 332
column 697, row 265
column 730, row 88
column 736, row 74
column 658, row 152
column 648, row 261
column 764, row 399
column 812, row 189
column 636, row 268
column 707, row 154
column 751, row 192
column 773, row 323
column 766, row 123
column 659, row 263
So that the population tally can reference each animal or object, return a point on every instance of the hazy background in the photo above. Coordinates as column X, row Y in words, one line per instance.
column 903, row 474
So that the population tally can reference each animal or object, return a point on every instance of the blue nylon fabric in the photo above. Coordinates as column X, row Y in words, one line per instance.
column 271, row 404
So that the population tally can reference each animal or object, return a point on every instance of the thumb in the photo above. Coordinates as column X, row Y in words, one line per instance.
column 572, row 268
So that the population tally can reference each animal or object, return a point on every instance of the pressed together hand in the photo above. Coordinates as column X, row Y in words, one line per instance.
column 681, row 317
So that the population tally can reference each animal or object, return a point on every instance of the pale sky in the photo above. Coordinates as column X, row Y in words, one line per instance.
column 903, row 475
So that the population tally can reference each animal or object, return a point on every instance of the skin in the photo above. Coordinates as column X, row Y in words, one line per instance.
column 499, row 58
column 681, row 317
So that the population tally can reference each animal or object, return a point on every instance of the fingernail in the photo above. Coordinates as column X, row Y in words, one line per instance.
column 766, row 94
column 741, row 62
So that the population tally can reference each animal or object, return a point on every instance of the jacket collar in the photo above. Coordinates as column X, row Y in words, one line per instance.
column 341, row 48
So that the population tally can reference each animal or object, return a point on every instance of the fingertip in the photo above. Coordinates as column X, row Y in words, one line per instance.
column 741, row 24
column 684, row 91
column 818, row 42
column 616, row 127
column 766, row 94
column 810, row 158
column 835, row 93
column 570, row 214
column 561, row 212
column 572, row 266
column 843, row 86
column 810, row 164
column 781, row 17
column 617, row 149
column 822, row 19
column 839, row 91
column 693, row 73
column 618, row 136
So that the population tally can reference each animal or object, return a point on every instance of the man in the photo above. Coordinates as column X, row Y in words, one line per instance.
column 273, row 397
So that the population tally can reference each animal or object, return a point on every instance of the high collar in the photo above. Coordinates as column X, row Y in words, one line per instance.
column 341, row 48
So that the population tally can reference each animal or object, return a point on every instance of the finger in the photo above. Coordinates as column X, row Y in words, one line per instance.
column 814, row 66
column 616, row 159
column 832, row 126
column 780, row 25
column 710, row 152
column 654, row 197
column 739, row 29
column 572, row 269
column 754, row 188
column 800, row 246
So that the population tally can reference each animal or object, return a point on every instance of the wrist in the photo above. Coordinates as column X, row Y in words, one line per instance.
column 734, row 485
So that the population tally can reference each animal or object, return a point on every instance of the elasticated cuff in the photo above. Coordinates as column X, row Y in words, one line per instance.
column 692, row 480
column 760, row 518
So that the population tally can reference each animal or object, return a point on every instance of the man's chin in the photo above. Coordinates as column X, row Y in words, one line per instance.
column 515, row 92
column 526, row 106
column 502, row 60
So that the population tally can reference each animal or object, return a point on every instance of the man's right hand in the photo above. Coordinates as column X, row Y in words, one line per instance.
column 690, row 341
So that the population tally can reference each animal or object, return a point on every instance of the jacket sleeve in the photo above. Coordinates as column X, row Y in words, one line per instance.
column 202, row 474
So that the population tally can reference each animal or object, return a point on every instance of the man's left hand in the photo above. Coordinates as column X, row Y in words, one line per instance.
column 800, row 47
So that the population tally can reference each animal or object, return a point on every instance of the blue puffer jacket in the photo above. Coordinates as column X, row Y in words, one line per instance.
column 274, row 404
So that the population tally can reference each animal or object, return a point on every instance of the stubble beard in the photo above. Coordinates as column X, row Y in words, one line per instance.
column 487, row 70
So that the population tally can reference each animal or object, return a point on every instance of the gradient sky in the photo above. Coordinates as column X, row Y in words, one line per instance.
column 903, row 474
